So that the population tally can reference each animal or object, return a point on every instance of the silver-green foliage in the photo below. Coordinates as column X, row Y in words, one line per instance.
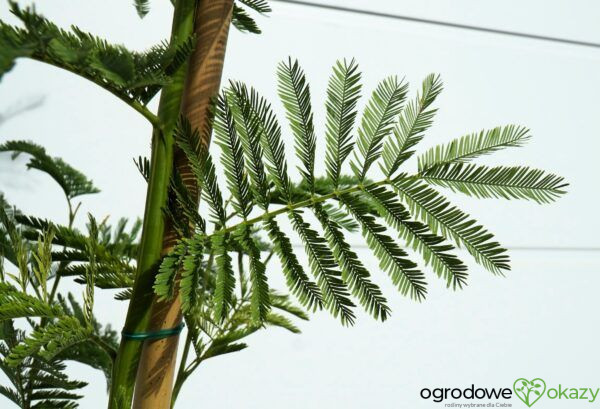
column 60, row 330
column 398, row 210
column 64, row 329
column 135, row 77
column 72, row 182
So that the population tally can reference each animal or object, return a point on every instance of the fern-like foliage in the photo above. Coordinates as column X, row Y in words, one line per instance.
column 35, row 382
column 16, row 304
column 443, row 218
column 65, row 329
column 418, row 236
column 260, row 6
column 377, row 122
column 515, row 182
column 294, row 92
column 343, row 93
column 241, row 18
column 473, row 145
column 354, row 273
column 392, row 258
column 100, row 349
column 410, row 129
column 60, row 329
column 72, row 182
column 135, row 77
column 113, row 251
column 400, row 210
column 142, row 7
column 50, row 340
column 218, row 267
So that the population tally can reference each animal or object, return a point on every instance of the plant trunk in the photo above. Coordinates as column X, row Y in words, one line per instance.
column 161, row 162
column 151, row 370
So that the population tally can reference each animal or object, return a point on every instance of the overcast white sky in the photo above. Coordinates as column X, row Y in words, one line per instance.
column 540, row 321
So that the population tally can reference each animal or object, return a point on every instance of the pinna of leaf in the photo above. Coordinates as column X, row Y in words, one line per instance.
column 399, row 210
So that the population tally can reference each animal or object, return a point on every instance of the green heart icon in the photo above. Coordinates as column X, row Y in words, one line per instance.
column 529, row 391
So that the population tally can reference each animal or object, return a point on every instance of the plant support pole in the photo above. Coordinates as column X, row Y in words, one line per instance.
column 149, row 256
column 158, row 358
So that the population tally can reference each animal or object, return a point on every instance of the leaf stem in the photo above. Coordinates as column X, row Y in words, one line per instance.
column 112, row 353
column 63, row 264
column 146, row 113
column 182, row 374
column 304, row 203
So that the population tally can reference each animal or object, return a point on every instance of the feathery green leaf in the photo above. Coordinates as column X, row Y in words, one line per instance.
column 392, row 258
column 283, row 303
column 203, row 168
column 277, row 320
column 48, row 341
column 98, row 353
column 142, row 163
column 135, row 77
column 165, row 281
column 142, row 7
column 272, row 144
column 260, row 6
column 473, row 145
column 298, row 282
column 415, row 119
column 354, row 274
column 232, row 157
column 249, row 128
column 225, row 284
column 243, row 22
column 72, row 182
column 343, row 93
column 16, row 304
column 377, row 122
column 514, row 182
column 340, row 217
column 324, row 268
column 294, row 93
column 192, row 274
column 418, row 236
column 436, row 211
column 259, row 298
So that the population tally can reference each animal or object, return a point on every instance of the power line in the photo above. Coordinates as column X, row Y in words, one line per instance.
column 443, row 23
column 463, row 27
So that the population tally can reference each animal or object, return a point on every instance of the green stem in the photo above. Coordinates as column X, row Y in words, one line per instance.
column 153, row 119
column 55, row 283
column 106, row 347
column 146, row 113
column 241, row 274
column 63, row 264
column 181, row 374
column 304, row 203
column 161, row 163
column 185, row 372
column 269, row 256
